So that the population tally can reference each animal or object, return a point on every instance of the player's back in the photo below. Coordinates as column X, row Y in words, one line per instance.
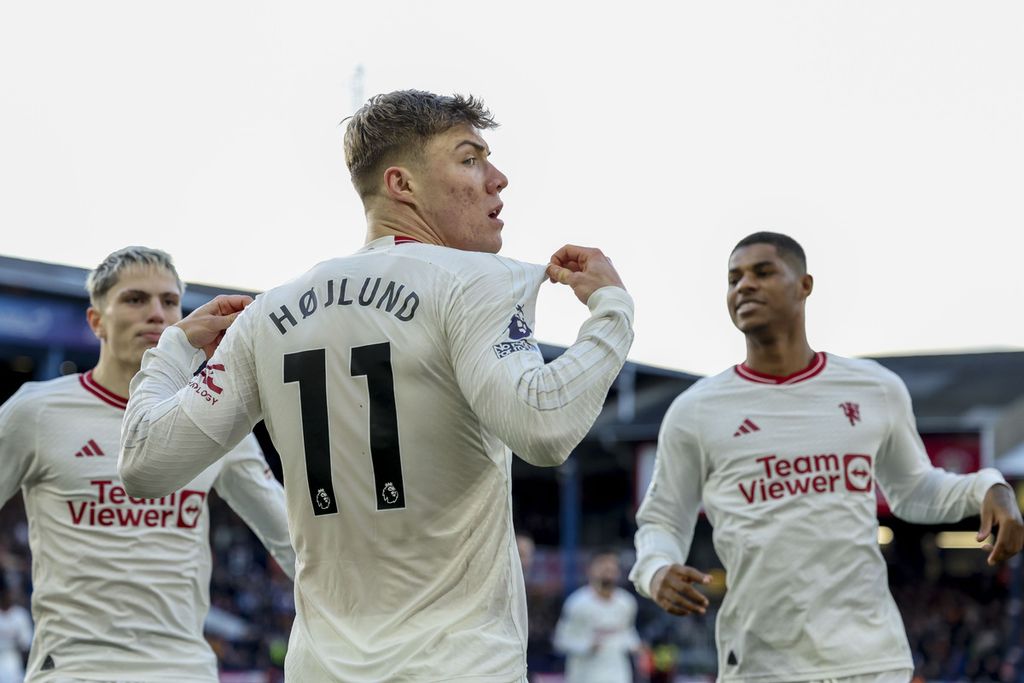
column 398, row 497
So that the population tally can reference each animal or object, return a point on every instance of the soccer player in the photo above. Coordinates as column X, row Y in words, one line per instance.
column 784, row 452
column 394, row 381
column 121, row 582
column 596, row 630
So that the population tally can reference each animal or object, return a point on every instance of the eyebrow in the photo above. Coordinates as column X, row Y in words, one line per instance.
column 475, row 145
column 142, row 292
column 754, row 265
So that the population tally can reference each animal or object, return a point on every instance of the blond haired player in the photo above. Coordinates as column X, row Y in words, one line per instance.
column 394, row 381
column 784, row 451
column 121, row 583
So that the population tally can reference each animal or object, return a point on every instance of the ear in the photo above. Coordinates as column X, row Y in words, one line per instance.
column 398, row 184
column 93, row 317
column 806, row 284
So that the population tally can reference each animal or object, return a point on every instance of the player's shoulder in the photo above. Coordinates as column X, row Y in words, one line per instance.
column 579, row 598
column 864, row 369
column 33, row 395
column 467, row 265
column 704, row 388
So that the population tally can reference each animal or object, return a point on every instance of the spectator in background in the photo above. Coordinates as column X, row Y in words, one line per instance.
column 596, row 631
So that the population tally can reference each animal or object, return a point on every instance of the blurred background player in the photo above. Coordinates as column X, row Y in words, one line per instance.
column 121, row 584
column 15, row 636
column 597, row 631
column 393, row 382
column 784, row 451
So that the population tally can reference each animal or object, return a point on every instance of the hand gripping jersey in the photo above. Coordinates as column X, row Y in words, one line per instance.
column 786, row 469
column 121, row 584
column 393, row 382
column 597, row 635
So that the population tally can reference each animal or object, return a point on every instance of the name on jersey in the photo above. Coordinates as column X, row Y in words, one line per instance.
column 390, row 297
column 115, row 508
column 807, row 475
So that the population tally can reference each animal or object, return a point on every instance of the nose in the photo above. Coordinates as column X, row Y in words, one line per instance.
column 497, row 181
column 156, row 311
column 747, row 282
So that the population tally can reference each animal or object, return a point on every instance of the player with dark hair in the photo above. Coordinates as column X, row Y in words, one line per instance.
column 393, row 382
column 596, row 630
column 122, row 583
column 784, row 452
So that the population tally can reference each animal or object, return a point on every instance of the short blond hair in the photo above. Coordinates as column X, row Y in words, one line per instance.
column 102, row 278
column 396, row 125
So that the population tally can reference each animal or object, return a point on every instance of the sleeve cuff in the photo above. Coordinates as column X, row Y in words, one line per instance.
column 643, row 574
column 986, row 479
column 175, row 347
column 611, row 298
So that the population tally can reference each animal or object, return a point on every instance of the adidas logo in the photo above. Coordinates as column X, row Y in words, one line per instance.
column 90, row 449
column 747, row 427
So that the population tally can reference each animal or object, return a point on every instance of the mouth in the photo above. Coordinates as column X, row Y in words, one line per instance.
column 151, row 336
column 493, row 215
column 749, row 303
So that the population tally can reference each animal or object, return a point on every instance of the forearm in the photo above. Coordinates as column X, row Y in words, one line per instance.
column 162, row 448
column 939, row 496
column 657, row 546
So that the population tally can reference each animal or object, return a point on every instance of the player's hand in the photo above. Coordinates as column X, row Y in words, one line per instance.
column 206, row 325
column 672, row 588
column 584, row 269
column 1000, row 510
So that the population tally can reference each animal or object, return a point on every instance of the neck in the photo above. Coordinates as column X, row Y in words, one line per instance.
column 603, row 592
column 399, row 221
column 112, row 375
column 779, row 354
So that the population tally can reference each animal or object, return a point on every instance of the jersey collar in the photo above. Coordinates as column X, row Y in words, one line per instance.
column 751, row 375
column 101, row 392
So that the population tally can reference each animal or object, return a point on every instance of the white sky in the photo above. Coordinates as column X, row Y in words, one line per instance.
column 888, row 137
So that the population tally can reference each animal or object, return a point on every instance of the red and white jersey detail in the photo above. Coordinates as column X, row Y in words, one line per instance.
column 794, row 512
column 393, row 383
column 815, row 367
column 102, row 393
column 121, row 584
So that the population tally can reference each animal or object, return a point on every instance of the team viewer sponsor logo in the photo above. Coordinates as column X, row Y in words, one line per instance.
column 112, row 507
column 805, row 475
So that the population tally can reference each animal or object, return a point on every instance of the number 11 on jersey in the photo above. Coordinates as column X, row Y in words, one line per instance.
column 309, row 369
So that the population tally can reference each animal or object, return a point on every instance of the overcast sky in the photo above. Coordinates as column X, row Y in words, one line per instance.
column 885, row 136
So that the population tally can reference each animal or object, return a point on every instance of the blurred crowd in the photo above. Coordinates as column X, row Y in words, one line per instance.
column 960, row 629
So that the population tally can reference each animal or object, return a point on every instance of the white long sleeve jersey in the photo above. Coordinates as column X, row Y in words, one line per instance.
column 597, row 636
column 121, row 584
column 393, row 382
column 786, row 470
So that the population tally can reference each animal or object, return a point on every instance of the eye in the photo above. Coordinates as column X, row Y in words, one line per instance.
column 133, row 299
column 471, row 161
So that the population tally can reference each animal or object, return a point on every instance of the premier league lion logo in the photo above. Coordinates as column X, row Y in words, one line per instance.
column 517, row 327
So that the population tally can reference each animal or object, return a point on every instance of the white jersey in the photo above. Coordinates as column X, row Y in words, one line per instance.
column 15, row 638
column 121, row 584
column 786, row 470
column 393, row 382
column 597, row 635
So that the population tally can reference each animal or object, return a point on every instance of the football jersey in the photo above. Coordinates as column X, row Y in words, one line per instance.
column 597, row 635
column 393, row 383
column 786, row 469
column 121, row 584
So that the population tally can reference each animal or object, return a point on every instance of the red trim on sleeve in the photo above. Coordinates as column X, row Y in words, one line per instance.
column 102, row 393
column 751, row 375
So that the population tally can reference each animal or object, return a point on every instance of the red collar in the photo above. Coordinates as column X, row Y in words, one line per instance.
column 101, row 392
column 751, row 375
column 402, row 239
